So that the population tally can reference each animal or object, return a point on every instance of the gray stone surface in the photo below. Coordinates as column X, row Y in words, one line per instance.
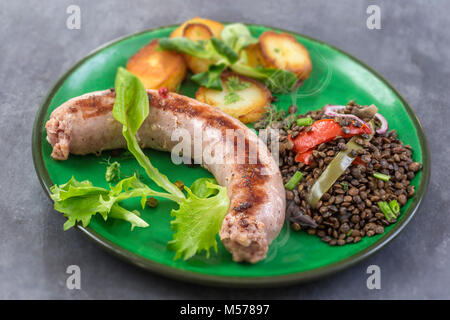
column 412, row 51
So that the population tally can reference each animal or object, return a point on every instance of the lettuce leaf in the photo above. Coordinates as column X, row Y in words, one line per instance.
column 118, row 212
column 224, row 51
column 211, row 78
column 201, row 189
column 131, row 107
column 212, row 49
column 197, row 222
column 79, row 201
column 201, row 49
column 129, row 188
column 277, row 80
column 237, row 36
column 199, row 217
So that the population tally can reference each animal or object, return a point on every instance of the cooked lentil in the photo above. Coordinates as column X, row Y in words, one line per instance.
column 348, row 211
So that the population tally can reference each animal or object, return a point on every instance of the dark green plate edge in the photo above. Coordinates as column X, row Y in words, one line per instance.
column 198, row 278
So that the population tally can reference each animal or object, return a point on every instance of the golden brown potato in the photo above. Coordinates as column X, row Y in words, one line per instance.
column 254, row 115
column 196, row 32
column 157, row 69
column 254, row 55
column 215, row 27
column 283, row 51
column 251, row 104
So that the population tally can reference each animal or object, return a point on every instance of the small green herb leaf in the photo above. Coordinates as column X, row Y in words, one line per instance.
column 232, row 97
column 234, row 84
column 112, row 171
column 272, row 115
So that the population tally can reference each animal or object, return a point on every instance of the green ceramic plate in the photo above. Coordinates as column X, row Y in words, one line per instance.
column 293, row 257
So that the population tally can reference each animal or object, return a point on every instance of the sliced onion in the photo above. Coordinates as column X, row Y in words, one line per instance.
column 331, row 113
column 384, row 124
column 331, row 107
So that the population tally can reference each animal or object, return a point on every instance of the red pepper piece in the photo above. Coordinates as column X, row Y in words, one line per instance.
column 305, row 157
column 358, row 161
column 323, row 131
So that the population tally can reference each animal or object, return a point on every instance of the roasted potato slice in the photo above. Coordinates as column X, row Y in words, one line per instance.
column 196, row 32
column 157, row 69
column 214, row 26
column 252, row 101
column 283, row 51
column 254, row 115
column 254, row 55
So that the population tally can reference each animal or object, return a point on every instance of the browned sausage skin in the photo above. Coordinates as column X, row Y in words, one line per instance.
column 85, row 125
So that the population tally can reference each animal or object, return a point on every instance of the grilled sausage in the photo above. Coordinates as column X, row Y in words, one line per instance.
column 86, row 125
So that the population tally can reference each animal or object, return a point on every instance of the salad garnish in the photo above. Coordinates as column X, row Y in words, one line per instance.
column 228, row 52
column 202, row 209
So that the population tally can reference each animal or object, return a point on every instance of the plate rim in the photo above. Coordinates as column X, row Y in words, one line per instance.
column 231, row 281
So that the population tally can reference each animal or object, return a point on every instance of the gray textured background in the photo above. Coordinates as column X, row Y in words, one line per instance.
column 412, row 51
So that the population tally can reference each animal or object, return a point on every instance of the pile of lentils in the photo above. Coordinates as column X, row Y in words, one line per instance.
column 349, row 210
